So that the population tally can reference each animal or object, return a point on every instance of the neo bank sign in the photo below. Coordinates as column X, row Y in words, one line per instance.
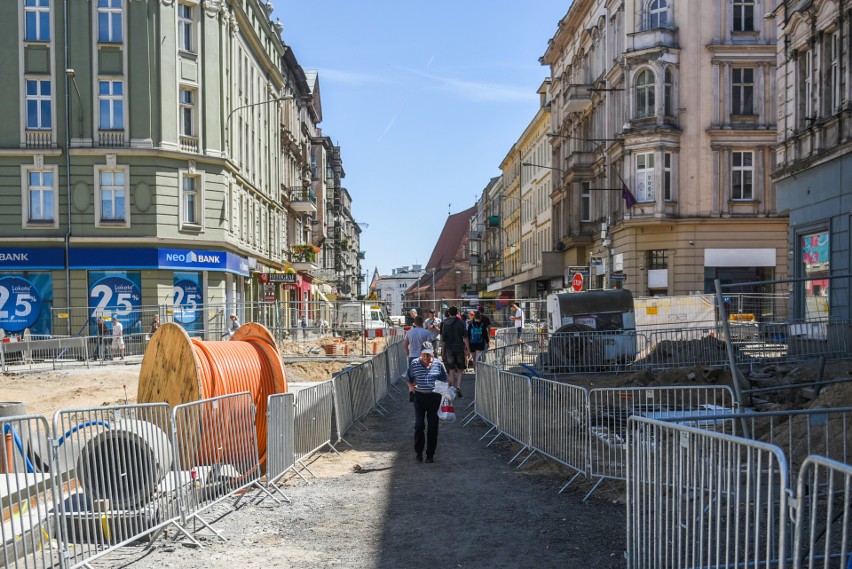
column 200, row 260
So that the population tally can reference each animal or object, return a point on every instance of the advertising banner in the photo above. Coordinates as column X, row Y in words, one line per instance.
column 115, row 294
column 187, row 301
column 25, row 302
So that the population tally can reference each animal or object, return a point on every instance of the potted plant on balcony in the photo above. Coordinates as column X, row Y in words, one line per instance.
column 305, row 252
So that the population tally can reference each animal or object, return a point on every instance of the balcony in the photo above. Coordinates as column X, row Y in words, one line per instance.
column 39, row 138
column 188, row 143
column 578, row 160
column 303, row 200
column 305, row 266
column 655, row 38
column 578, row 98
column 112, row 138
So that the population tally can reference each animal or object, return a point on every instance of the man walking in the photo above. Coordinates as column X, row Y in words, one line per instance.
column 421, row 376
column 518, row 318
column 415, row 338
column 456, row 348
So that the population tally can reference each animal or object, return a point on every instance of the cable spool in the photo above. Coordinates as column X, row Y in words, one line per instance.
column 177, row 369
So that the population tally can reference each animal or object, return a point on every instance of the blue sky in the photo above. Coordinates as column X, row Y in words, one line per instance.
column 425, row 100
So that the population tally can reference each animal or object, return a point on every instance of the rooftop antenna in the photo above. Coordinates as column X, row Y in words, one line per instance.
column 449, row 205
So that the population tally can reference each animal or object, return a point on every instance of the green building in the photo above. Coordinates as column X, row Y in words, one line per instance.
column 154, row 152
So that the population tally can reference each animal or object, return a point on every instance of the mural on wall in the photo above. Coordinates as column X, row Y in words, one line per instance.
column 25, row 303
column 188, row 299
column 115, row 295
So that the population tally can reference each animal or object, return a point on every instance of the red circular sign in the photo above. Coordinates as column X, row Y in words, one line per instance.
column 577, row 282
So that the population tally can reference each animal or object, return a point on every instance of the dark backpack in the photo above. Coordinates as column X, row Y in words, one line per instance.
column 476, row 333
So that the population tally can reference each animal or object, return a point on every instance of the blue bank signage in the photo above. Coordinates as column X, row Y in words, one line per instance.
column 202, row 260
column 117, row 295
column 22, row 303
column 28, row 258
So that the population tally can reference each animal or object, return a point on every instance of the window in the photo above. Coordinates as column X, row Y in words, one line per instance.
column 111, row 105
column 667, row 176
column 743, row 15
column 585, row 201
column 645, row 177
column 658, row 14
column 806, row 92
column 190, row 199
column 185, row 28
column 37, row 20
column 742, row 174
column 668, row 93
column 39, row 107
column 109, row 21
column 832, row 90
column 113, row 195
column 742, row 91
column 645, row 94
column 658, row 259
column 187, row 112
column 41, row 198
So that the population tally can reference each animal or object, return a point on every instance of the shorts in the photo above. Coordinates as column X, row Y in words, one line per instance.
column 454, row 360
column 477, row 347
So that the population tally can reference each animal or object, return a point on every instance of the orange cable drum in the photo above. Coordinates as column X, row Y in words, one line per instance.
column 177, row 369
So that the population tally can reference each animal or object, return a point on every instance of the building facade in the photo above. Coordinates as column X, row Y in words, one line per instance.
column 161, row 153
column 813, row 158
column 390, row 289
column 674, row 101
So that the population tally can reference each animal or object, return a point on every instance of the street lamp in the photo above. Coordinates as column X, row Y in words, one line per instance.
column 434, row 292
column 458, row 283
column 228, row 118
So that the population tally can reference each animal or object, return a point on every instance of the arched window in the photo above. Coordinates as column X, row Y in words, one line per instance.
column 658, row 14
column 668, row 92
column 645, row 100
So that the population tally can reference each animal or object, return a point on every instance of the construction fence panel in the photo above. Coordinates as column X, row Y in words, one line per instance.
column 114, row 468
column 343, row 411
column 610, row 409
column 49, row 354
column 514, row 407
column 314, row 407
column 800, row 433
column 216, row 452
column 486, row 404
column 823, row 515
column 687, row 347
column 697, row 499
column 28, row 494
column 379, row 363
column 280, row 435
column 559, row 415
column 587, row 352
column 363, row 394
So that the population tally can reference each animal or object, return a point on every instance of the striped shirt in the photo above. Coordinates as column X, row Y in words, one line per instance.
column 424, row 378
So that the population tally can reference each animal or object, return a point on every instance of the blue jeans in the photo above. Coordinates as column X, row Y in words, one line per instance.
column 426, row 418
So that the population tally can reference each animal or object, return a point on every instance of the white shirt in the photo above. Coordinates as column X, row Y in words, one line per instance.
column 519, row 318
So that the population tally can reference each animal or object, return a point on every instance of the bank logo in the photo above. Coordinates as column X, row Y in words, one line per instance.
column 191, row 257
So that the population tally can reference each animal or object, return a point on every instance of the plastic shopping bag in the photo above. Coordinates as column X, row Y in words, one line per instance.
column 447, row 412
column 444, row 389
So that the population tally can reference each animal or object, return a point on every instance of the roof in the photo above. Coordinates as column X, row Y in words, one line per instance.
column 451, row 238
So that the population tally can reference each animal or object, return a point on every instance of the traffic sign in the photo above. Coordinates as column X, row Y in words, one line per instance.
column 577, row 282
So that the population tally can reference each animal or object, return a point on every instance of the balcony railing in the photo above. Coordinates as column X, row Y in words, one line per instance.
column 581, row 160
column 39, row 138
column 111, row 138
column 303, row 200
column 189, row 143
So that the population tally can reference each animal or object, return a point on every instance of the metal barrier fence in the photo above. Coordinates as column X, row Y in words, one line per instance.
column 513, row 419
column 50, row 354
column 697, row 498
column 280, row 436
column 381, row 380
column 314, row 409
column 28, row 493
column 610, row 409
column 343, row 412
column 799, row 434
column 361, row 389
column 114, row 468
column 558, row 426
column 824, row 515
column 216, row 452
